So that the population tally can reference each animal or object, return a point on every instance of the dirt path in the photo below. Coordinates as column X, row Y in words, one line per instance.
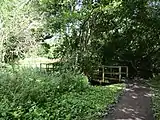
column 135, row 104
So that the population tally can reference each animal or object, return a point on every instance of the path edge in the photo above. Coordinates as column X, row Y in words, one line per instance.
column 111, row 107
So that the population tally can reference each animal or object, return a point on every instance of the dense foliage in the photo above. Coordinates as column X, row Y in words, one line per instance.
column 84, row 34
column 19, row 22
column 107, row 32
column 28, row 94
column 87, row 33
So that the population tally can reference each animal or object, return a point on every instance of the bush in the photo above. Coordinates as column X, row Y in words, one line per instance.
column 30, row 95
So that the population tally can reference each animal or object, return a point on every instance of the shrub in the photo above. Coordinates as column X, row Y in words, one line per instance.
column 28, row 94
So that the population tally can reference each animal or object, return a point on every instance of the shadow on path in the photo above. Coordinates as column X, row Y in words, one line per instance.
column 135, row 104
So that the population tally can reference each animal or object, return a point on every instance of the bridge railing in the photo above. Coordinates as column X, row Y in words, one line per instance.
column 104, row 73
column 49, row 67
column 100, row 73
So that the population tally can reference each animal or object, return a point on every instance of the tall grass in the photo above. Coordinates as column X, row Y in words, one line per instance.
column 155, row 84
column 28, row 94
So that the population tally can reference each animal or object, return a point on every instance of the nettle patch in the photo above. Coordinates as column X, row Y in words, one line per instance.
column 27, row 94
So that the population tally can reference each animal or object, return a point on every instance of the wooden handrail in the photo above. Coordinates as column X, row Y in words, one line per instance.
column 119, row 72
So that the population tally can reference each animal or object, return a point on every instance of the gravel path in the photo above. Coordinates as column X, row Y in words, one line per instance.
column 135, row 104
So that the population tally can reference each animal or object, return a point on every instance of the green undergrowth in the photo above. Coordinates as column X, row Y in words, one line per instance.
column 27, row 94
column 155, row 84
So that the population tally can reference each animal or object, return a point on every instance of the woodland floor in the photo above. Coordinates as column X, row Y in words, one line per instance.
column 135, row 104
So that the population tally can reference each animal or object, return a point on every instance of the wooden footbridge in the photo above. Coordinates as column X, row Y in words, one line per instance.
column 105, row 74
column 49, row 67
column 100, row 74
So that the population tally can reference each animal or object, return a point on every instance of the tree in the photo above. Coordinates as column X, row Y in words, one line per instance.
column 107, row 32
column 19, row 22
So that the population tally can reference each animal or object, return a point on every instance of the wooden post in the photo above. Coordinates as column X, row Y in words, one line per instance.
column 103, row 73
column 111, row 71
column 40, row 67
column 127, row 72
column 119, row 73
column 46, row 67
column 52, row 67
